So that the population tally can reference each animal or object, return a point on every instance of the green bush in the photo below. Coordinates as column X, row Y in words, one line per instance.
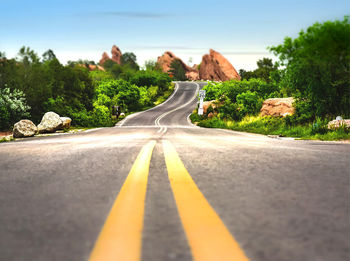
column 152, row 78
column 13, row 107
column 250, row 102
column 121, row 93
column 240, row 98
column 317, row 68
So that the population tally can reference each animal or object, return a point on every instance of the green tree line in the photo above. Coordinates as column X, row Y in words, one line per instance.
column 314, row 68
column 31, row 85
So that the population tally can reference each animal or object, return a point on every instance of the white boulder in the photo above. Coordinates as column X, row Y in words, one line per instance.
column 66, row 121
column 24, row 128
column 50, row 122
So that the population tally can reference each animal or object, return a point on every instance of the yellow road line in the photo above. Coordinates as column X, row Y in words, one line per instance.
column 207, row 235
column 121, row 235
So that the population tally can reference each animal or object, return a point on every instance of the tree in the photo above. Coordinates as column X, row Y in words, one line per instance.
column 129, row 59
column 28, row 56
column 151, row 65
column 264, row 70
column 177, row 70
column 49, row 55
column 318, row 68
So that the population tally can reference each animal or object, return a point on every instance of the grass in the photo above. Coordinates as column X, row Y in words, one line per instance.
column 166, row 95
column 274, row 126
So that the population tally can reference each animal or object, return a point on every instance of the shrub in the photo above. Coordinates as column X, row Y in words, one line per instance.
column 317, row 68
column 13, row 107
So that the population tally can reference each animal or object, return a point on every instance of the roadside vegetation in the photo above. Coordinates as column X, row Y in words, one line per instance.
column 314, row 68
column 31, row 85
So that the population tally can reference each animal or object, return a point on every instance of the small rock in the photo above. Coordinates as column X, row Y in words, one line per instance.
column 207, row 104
column 66, row 121
column 335, row 124
column 24, row 128
column 277, row 107
column 210, row 115
column 50, row 123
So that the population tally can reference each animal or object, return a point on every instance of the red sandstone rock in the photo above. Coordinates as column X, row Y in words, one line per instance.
column 216, row 67
column 92, row 67
column 213, row 103
column 167, row 58
column 277, row 107
column 116, row 54
column 95, row 67
column 104, row 58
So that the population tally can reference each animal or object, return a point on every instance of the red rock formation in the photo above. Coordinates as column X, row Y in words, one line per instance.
column 277, row 107
column 104, row 58
column 216, row 67
column 167, row 58
column 116, row 56
column 92, row 67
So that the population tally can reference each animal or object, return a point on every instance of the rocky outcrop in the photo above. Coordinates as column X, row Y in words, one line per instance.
column 167, row 58
column 216, row 67
column 24, row 128
column 66, row 121
column 336, row 124
column 192, row 75
column 92, row 67
column 277, row 107
column 207, row 104
column 104, row 58
column 50, row 122
column 116, row 56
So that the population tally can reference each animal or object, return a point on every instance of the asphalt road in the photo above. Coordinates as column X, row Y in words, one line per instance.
column 278, row 199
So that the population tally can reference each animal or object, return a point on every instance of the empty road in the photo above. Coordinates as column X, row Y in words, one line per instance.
column 155, row 187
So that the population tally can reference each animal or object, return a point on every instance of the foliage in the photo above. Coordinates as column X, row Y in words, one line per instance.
column 265, row 70
column 151, row 65
column 177, row 70
column 151, row 78
column 13, row 107
column 239, row 98
column 74, row 91
column 121, row 92
column 275, row 126
column 318, row 69
column 129, row 59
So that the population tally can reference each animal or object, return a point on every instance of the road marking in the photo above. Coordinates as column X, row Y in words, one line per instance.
column 207, row 235
column 157, row 121
column 122, row 122
column 121, row 235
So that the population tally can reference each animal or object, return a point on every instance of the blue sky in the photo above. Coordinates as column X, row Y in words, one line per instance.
column 241, row 30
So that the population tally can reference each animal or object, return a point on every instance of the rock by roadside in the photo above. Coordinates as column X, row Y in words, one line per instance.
column 66, row 121
column 24, row 128
column 277, row 107
column 207, row 104
column 336, row 124
column 50, row 122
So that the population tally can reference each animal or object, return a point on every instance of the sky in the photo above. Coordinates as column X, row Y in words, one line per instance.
column 84, row 29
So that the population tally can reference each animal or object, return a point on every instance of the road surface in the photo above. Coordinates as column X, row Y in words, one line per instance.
column 156, row 187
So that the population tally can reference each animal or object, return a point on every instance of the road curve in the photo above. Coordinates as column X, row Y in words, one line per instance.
column 61, row 197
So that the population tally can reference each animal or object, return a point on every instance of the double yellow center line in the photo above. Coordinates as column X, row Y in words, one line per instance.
column 121, row 236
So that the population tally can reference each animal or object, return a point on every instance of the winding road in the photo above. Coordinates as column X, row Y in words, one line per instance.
column 155, row 187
